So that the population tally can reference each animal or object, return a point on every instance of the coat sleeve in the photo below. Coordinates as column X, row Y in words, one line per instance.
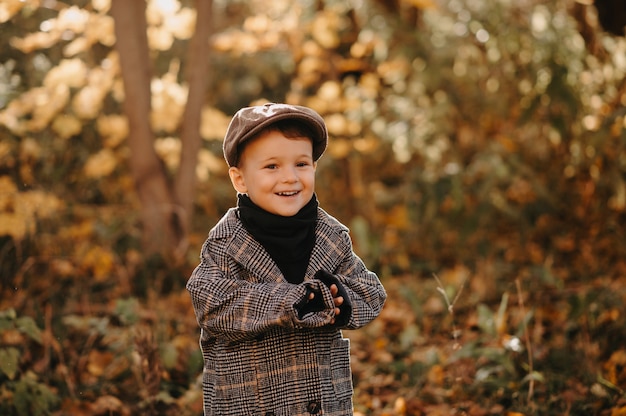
column 235, row 309
column 367, row 295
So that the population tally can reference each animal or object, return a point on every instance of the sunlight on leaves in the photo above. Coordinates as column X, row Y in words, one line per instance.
column 100, row 164
column 213, row 124
column 9, row 8
column 34, row 41
column 168, row 102
column 181, row 24
column 208, row 164
column 74, row 19
column 66, row 126
column 168, row 149
column 615, row 368
column 99, row 261
column 69, row 72
column 421, row 4
column 325, row 29
column 19, row 211
column 113, row 128
column 167, row 20
column 87, row 103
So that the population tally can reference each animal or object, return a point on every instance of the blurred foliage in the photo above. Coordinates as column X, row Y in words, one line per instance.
column 479, row 141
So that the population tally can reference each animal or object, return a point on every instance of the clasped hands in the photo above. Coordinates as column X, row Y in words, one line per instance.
column 314, row 300
column 337, row 300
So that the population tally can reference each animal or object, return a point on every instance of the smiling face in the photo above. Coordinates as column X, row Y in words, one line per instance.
column 277, row 173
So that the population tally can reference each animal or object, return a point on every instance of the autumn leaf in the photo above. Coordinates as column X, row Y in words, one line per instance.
column 98, row 361
column 100, row 164
column 9, row 358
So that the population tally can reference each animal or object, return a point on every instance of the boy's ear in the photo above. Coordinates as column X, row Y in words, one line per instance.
column 236, row 177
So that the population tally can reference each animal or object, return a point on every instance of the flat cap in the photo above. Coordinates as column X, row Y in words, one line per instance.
column 249, row 121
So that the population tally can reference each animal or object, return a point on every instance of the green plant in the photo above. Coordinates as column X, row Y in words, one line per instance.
column 21, row 392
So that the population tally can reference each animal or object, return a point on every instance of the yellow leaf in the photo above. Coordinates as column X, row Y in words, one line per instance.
column 70, row 72
column 29, row 150
column 102, row 6
column 616, row 367
column 9, row 8
column 214, row 124
column 436, row 375
column 87, row 103
column 366, row 144
column 77, row 46
column 339, row 148
column 101, row 164
column 169, row 149
column 98, row 362
column 73, row 19
column 394, row 70
column 160, row 39
column 113, row 128
column 422, row 4
column 181, row 24
column 37, row 40
column 66, row 126
column 100, row 262
column 7, row 187
column 46, row 105
column 325, row 28
column 101, row 29
column 39, row 204
column 399, row 406
column 207, row 163
column 507, row 143
column 337, row 125
column 621, row 411
column 5, row 154
column 11, row 225
column 330, row 91
column 19, row 211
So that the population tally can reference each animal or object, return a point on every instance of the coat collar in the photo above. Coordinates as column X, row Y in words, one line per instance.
column 248, row 252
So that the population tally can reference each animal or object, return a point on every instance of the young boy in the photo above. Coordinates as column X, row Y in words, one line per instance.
column 278, row 278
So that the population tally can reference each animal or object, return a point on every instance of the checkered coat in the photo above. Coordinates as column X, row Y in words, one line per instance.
column 260, row 356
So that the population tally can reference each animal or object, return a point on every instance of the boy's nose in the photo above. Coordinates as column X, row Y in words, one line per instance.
column 290, row 175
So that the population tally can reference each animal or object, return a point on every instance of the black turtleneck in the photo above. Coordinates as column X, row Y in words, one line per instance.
column 288, row 240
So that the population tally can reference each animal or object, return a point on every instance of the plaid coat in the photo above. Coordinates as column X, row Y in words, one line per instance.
column 260, row 356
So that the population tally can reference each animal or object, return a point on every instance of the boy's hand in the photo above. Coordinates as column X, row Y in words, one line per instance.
column 337, row 299
column 312, row 302
column 343, row 308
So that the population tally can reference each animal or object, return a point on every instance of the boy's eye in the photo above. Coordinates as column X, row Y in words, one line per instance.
column 271, row 166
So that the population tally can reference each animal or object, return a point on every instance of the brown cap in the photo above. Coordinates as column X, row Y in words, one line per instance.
column 249, row 121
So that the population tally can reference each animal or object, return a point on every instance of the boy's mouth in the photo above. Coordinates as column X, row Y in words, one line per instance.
column 291, row 193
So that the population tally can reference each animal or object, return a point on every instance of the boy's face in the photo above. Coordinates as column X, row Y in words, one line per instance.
column 277, row 173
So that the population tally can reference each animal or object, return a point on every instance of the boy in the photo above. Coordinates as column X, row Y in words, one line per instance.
column 278, row 279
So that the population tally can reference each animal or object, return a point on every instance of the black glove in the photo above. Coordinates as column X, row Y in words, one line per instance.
column 306, row 305
column 345, row 309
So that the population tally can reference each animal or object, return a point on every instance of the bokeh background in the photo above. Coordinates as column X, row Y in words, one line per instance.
column 477, row 153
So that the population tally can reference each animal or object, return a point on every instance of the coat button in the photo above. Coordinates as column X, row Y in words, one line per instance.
column 314, row 407
column 270, row 414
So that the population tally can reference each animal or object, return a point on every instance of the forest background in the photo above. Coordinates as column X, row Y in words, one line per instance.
column 477, row 153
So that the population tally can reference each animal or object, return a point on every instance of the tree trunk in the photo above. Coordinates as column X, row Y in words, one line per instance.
column 197, row 75
column 161, row 232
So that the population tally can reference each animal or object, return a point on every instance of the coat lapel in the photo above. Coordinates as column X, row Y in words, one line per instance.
column 328, row 250
column 326, row 255
column 253, row 257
